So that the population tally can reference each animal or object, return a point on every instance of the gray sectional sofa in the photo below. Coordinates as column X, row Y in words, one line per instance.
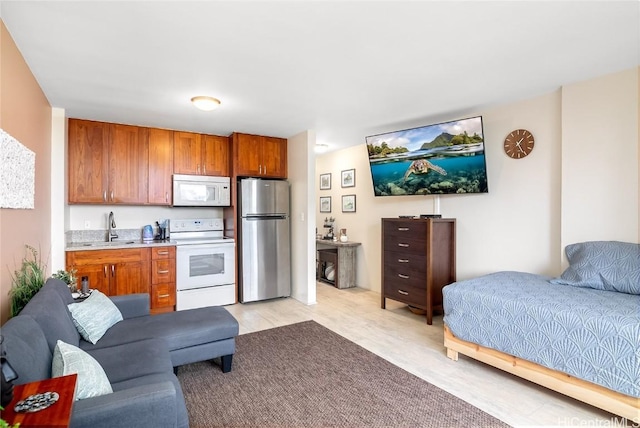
column 138, row 354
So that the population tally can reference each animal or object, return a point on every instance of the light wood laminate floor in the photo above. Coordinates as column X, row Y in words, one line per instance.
column 405, row 339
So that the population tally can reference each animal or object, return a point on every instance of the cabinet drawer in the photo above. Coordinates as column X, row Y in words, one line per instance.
column 91, row 257
column 163, row 271
column 163, row 253
column 163, row 295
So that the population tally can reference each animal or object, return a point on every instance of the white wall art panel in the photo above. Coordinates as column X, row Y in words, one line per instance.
column 17, row 174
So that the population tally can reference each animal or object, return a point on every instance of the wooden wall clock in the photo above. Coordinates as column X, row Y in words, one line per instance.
column 518, row 144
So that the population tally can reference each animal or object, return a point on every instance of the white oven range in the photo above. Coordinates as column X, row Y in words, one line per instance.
column 205, row 263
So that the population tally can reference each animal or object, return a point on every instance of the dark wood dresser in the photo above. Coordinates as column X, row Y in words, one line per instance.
column 418, row 259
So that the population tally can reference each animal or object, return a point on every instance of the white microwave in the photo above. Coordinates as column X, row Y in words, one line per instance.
column 201, row 191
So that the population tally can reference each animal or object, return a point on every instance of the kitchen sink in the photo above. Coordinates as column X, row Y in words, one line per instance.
column 107, row 244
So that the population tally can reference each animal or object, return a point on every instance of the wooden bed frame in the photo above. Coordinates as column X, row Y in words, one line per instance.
column 598, row 396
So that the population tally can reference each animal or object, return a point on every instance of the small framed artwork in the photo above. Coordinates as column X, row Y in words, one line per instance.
column 325, row 181
column 348, row 203
column 325, row 204
column 349, row 178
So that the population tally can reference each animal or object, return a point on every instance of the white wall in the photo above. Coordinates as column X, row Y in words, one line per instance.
column 300, row 156
column 600, row 159
column 59, row 208
column 518, row 225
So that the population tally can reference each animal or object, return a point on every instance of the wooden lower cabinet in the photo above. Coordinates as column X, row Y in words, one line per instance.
column 163, row 279
column 113, row 272
column 418, row 260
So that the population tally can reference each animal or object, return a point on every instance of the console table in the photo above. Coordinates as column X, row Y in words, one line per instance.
column 343, row 257
column 56, row 415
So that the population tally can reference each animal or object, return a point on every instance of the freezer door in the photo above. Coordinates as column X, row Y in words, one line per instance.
column 263, row 197
column 265, row 263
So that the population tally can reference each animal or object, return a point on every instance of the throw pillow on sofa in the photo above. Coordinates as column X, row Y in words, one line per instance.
column 94, row 316
column 92, row 380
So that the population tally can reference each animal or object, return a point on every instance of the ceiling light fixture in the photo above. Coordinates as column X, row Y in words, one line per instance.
column 321, row 148
column 205, row 103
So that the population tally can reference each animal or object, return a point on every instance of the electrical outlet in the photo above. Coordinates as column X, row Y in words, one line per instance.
column 87, row 224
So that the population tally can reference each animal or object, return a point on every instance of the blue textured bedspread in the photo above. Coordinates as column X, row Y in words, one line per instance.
column 590, row 334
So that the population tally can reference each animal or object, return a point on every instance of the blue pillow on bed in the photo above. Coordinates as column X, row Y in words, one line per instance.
column 603, row 265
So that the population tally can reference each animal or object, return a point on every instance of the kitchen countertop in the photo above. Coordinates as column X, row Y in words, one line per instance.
column 116, row 245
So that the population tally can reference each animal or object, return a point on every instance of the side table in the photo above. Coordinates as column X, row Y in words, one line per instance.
column 56, row 415
column 343, row 257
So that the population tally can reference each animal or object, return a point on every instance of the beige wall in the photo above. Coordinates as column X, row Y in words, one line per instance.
column 25, row 113
column 519, row 224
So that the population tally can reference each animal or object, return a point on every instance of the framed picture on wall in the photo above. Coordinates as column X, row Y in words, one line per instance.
column 325, row 204
column 348, row 203
column 325, row 181
column 349, row 178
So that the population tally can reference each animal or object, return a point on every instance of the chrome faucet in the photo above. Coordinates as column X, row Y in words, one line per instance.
column 112, row 225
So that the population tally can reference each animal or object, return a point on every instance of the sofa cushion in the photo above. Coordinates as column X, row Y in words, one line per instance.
column 603, row 265
column 151, row 356
column 26, row 349
column 92, row 380
column 182, row 329
column 51, row 313
column 94, row 316
column 59, row 287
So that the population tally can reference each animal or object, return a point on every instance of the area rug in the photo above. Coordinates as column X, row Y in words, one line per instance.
column 305, row 375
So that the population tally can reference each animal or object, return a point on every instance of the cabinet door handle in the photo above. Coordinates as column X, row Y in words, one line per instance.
column 112, row 196
column 403, row 260
column 163, row 271
column 104, row 196
column 403, row 229
column 204, row 169
column 166, row 196
column 404, row 293
column 163, row 253
column 403, row 245
column 162, row 296
column 113, row 270
column 403, row 276
column 260, row 169
column 104, row 268
column 198, row 169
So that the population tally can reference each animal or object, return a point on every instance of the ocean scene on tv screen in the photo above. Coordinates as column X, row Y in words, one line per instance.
column 437, row 159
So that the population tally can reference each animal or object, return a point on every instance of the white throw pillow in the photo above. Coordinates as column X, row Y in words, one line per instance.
column 92, row 380
column 94, row 316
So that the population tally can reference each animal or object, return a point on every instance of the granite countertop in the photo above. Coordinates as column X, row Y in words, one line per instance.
column 117, row 244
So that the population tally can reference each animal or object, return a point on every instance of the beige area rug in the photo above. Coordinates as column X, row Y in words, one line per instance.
column 305, row 375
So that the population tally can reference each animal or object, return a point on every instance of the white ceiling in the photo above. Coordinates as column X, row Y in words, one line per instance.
column 346, row 69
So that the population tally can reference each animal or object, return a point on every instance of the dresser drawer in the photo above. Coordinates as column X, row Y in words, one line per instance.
column 409, row 275
column 403, row 291
column 405, row 243
column 163, row 271
column 405, row 261
column 405, row 228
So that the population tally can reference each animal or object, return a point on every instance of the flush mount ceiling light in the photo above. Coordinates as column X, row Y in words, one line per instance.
column 205, row 103
column 321, row 148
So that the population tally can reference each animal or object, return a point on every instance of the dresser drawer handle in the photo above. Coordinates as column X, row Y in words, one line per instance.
column 403, row 260
column 162, row 296
column 162, row 272
column 403, row 245
column 403, row 276
column 163, row 253
column 404, row 293
column 403, row 229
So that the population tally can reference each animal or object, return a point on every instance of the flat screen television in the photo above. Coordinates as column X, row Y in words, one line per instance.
column 443, row 158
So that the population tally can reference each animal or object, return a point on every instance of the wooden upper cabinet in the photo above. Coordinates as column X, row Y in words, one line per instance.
column 128, row 165
column 215, row 155
column 186, row 153
column 88, row 161
column 198, row 154
column 259, row 156
column 160, row 166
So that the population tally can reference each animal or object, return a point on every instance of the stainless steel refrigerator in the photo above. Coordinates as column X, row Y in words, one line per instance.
column 264, row 245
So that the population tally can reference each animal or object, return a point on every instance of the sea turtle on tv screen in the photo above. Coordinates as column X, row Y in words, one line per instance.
column 422, row 166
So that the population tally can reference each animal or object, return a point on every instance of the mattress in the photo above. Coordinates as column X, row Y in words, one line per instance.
column 590, row 334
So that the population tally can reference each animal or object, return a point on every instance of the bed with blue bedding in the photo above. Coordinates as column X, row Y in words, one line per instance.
column 578, row 334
